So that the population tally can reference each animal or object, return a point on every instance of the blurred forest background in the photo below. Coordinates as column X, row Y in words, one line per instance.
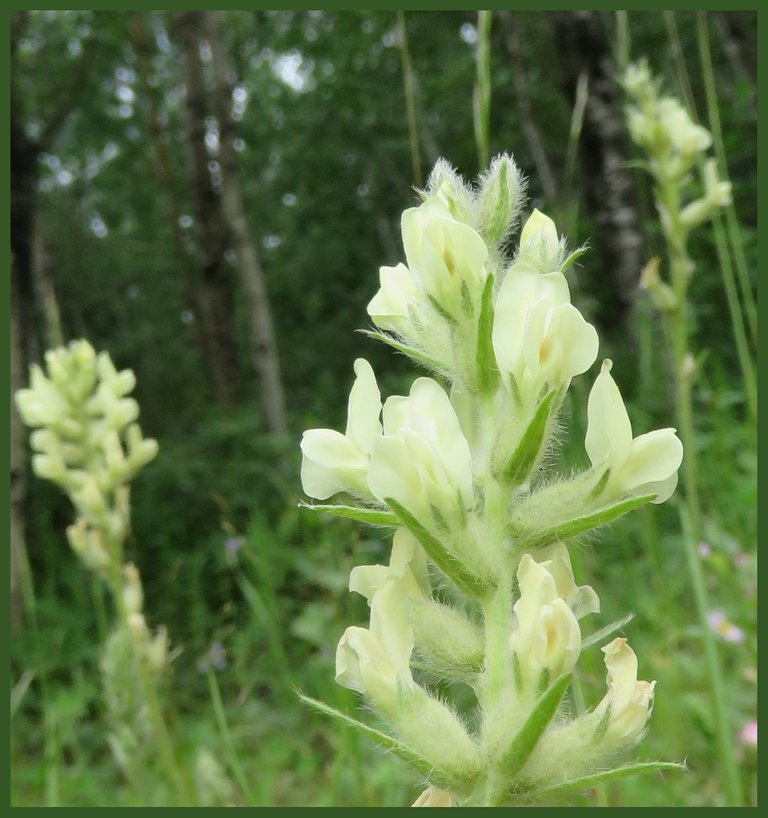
column 209, row 196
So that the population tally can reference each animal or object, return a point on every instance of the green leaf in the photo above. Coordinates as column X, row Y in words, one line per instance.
column 372, row 516
column 588, row 781
column 527, row 738
column 416, row 761
column 487, row 368
column 529, row 448
column 570, row 528
column 411, row 352
column 453, row 568
column 577, row 253
column 598, row 636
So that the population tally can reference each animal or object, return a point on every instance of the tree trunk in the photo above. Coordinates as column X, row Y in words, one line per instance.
column 49, row 314
column 263, row 346
column 23, row 165
column 217, row 313
column 193, row 297
column 19, row 562
column 609, row 186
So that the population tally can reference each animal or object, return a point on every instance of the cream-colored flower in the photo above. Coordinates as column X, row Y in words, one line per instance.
column 434, row 797
column 581, row 599
column 539, row 243
column 408, row 563
column 444, row 255
column 423, row 460
column 375, row 661
column 538, row 336
column 630, row 701
column 547, row 635
column 389, row 307
column 686, row 137
column 646, row 464
column 333, row 462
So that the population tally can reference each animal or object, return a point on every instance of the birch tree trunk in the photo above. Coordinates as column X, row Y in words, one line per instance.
column 609, row 186
column 217, row 302
column 262, row 342
column 23, row 164
column 187, row 264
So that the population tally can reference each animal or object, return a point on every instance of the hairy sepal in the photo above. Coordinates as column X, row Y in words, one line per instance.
column 449, row 644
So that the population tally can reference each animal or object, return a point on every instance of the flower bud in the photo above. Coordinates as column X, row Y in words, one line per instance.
column 663, row 296
column 637, row 79
column 446, row 185
column 434, row 797
column 499, row 199
column 539, row 244
column 133, row 596
column 628, row 704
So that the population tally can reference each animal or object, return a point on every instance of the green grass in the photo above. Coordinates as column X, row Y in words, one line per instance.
column 286, row 605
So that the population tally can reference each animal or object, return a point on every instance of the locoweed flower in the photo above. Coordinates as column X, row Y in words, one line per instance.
column 546, row 640
column 446, row 258
column 539, row 338
column 423, row 460
column 646, row 464
column 375, row 661
column 333, row 462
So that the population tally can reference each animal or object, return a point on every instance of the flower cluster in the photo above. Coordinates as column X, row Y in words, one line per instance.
column 479, row 586
column 87, row 440
column 674, row 145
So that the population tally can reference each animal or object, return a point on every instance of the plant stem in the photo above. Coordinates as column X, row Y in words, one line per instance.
column 229, row 744
column 482, row 101
column 681, row 269
column 734, row 233
column 410, row 104
column 148, row 688
column 739, row 334
column 737, row 247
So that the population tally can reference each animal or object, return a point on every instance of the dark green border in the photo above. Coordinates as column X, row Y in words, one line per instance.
column 649, row 5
